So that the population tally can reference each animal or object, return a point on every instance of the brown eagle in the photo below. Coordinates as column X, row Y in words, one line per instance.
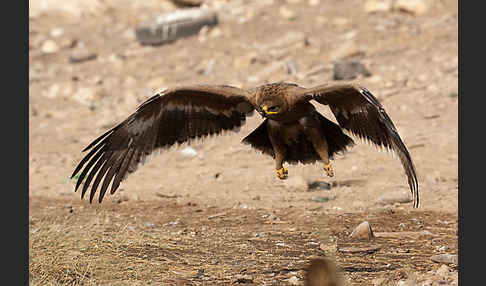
column 293, row 130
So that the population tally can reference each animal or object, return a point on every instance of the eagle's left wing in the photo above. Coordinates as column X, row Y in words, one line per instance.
column 359, row 112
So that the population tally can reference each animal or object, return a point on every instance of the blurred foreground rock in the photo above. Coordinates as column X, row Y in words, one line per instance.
column 170, row 26
column 322, row 272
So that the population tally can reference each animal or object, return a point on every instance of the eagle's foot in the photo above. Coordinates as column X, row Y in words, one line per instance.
column 282, row 173
column 329, row 170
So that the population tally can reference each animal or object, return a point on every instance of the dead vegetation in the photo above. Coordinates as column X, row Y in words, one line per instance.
column 166, row 243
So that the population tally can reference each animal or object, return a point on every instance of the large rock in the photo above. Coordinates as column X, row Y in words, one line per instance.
column 362, row 231
column 170, row 26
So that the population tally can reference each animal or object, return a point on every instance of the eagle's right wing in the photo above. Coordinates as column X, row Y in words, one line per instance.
column 176, row 115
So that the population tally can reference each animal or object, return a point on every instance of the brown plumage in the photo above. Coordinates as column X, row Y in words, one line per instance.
column 293, row 131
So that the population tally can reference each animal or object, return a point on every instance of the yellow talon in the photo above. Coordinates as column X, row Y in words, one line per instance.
column 329, row 170
column 282, row 173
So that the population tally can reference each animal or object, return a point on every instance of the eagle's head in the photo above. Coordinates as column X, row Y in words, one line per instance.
column 272, row 106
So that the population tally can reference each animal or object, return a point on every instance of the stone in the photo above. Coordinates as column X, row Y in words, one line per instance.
column 395, row 197
column 170, row 26
column 189, row 152
column 314, row 2
column 85, row 96
column 445, row 258
column 323, row 199
column 362, row 231
column 373, row 6
column 293, row 280
column 443, row 270
column 244, row 279
column 56, row 32
column 318, row 186
column 291, row 66
column 416, row 7
column 367, row 250
column 347, row 70
column 49, row 47
column 82, row 55
column 287, row 13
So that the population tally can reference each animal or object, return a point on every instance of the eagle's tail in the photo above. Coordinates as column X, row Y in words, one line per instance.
column 301, row 151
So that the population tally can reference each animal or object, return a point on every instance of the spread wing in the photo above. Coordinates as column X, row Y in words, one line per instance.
column 174, row 116
column 359, row 112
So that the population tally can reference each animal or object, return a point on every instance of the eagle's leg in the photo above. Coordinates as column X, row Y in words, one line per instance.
column 279, row 150
column 282, row 173
column 314, row 132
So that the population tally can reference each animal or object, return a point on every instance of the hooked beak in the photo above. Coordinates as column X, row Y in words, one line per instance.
column 265, row 111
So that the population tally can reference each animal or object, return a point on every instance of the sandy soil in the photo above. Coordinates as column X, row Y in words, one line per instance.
column 414, row 64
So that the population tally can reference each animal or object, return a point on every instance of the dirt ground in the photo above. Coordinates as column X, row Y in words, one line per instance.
column 222, row 216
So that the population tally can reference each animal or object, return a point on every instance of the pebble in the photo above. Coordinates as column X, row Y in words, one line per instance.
column 291, row 66
column 373, row 6
column 443, row 270
column 320, row 199
column 56, row 32
column 189, row 152
column 49, row 47
column 395, row 197
column 293, row 280
column 287, row 13
column 318, row 186
column 416, row 7
column 244, row 278
column 82, row 56
column 314, row 2
column 347, row 70
column 362, row 231
column 368, row 250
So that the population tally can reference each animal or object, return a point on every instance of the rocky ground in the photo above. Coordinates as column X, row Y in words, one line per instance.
column 214, row 213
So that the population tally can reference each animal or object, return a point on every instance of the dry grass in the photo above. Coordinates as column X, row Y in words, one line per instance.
column 154, row 243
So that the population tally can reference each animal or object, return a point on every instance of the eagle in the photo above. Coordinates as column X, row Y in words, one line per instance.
column 292, row 131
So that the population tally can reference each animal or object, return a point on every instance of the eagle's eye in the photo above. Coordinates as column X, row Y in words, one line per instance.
column 273, row 108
